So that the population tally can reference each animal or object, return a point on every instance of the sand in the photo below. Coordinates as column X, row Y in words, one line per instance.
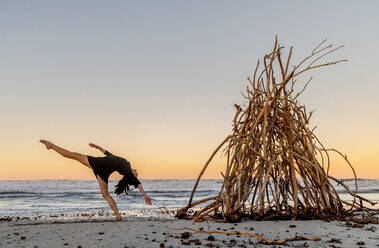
column 144, row 229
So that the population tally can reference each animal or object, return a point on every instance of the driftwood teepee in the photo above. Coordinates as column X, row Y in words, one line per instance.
column 275, row 165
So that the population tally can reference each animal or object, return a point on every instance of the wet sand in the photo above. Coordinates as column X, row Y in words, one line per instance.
column 139, row 229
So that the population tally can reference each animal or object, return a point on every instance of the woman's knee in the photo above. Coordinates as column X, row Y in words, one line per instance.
column 105, row 195
column 104, row 192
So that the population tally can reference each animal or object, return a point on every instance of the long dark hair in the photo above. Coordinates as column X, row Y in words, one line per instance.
column 122, row 186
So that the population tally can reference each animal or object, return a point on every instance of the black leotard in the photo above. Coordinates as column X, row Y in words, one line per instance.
column 104, row 166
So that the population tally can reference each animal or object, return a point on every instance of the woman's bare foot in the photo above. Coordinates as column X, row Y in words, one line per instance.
column 48, row 144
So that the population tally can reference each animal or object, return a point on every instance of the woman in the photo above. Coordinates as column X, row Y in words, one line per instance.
column 102, row 168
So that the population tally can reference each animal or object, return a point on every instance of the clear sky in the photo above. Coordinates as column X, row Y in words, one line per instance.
column 155, row 81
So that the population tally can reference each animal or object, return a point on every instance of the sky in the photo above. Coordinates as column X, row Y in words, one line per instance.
column 155, row 81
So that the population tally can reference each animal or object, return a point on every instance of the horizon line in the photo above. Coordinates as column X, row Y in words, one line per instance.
column 183, row 179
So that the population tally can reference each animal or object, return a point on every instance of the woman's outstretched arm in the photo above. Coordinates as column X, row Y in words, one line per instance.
column 100, row 149
column 147, row 199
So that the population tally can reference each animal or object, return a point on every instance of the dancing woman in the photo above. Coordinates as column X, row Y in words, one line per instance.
column 102, row 168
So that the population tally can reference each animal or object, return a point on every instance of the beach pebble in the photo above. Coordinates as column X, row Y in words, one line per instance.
column 335, row 241
column 292, row 226
column 185, row 235
column 189, row 242
column 232, row 242
column 211, row 238
column 360, row 243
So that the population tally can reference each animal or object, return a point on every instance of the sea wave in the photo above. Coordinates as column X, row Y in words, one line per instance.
column 66, row 195
column 19, row 193
column 97, row 191
column 360, row 191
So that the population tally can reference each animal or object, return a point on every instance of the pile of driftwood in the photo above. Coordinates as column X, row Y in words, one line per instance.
column 276, row 168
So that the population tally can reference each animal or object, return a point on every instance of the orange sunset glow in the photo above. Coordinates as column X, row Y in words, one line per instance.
column 159, row 91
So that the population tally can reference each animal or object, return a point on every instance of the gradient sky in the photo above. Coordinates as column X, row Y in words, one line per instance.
column 155, row 81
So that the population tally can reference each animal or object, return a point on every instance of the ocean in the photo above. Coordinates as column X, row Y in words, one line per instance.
column 60, row 196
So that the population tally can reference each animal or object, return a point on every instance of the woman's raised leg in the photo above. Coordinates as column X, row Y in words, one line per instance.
column 67, row 154
column 104, row 191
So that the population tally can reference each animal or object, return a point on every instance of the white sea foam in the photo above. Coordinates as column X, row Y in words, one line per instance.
column 64, row 196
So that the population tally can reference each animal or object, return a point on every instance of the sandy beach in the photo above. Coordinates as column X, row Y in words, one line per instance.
column 141, row 229
column 258, row 119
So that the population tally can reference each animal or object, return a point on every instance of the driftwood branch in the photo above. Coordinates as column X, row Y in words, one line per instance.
column 263, row 239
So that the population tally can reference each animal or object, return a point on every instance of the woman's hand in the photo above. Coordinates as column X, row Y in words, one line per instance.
column 97, row 147
column 147, row 200
column 93, row 145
